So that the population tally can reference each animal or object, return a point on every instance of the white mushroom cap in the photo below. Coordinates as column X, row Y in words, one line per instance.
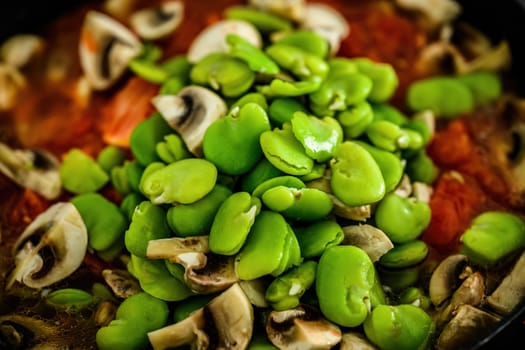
column 228, row 317
column 36, row 170
column 18, row 50
column 328, row 23
column 511, row 292
column 369, row 238
column 213, row 38
column 291, row 9
column 190, row 113
column 158, row 22
column 436, row 12
column 106, row 47
column 51, row 248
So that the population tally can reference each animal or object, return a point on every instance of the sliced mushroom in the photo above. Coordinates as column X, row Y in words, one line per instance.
column 119, row 9
column 213, row 38
column 190, row 113
column 327, row 22
column 24, row 332
column 121, row 282
column 105, row 313
column 436, row 13
column 51, row 248
column 12, row 82
column 404, row 188
column 301, row 328
column 422, row 192
column 158, row 22
column 369, row 238
column 355, row 341
column 255, row 291
column 37, row 170
column 471, row 292
column 204, row 273
column 468, row 325
column 226, row 322
column 106, row 48
column 511, row 292
column 446, row 278
column 18, row 50
column 291, row 9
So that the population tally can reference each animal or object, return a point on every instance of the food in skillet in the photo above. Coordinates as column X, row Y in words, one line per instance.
column 282, row 174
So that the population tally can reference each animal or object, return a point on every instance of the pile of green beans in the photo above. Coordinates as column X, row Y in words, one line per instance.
column 297, row 117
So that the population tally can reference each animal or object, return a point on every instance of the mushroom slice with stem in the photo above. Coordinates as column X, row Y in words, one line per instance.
column 355, row 341
column 190, row 113
column 327, row 22
column 291, row 9
column 204, row 273
column 301, row 328
column 121, row 282
column 158, row 22
column 511, row 292
column 369, row 238
column 213, row 38
column 37, row 170
column 446, row 278
column 226, row 322
column 468, row 325
column 18, row 50
column 106, row 48
column 51, row 248
column 24, row 332
column 435, row 13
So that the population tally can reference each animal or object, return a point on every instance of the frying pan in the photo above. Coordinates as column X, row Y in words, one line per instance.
column 497, row 19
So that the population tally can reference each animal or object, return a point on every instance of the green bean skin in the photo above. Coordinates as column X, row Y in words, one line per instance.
column 405, row 255
column 81, row 174
column 263, row 21
column 145, row 136
column 257, row 60
column 282, row 109
column 384, row 78
column 315, row 238
column 355, row 119
column 308, row 41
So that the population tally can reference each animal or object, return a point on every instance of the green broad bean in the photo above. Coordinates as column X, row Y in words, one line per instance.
column 411, row 140
column 196, row 218
column 232, row 143
column 101, row 291
column 405, row 255
column 233, row 222
column 493, row 236
column 384, row 111
column 285, row 152
column 415, row 296
column 281, row 88
column 80, row 173
column 150, row 52
column 291, row 254
column 193, row 303
column 391, row 165
column 176, row 270
column 252, row 97
column 282, row 109
column 185, row 181
column 177, row 66
column 339, row 92
column 104, row 221
column 420, row 167
column 156, row 280
column 260, row 342
column 356, row 176
column 113, row 250
column 110, row 157
column 341, row 66
column 318, row 171
column 136, row 316
column 485, row 86
column 172, row 86
column 301, row 63
column 402, row 219
column 398, row 279
column 223, row 72
column 355, row 119
column 286, row 290
column 263, row 170
column 345, row 277
column 149, row 71
column 319, row 137
column 446, row 97
column 265, row 248
column 386, row 135
column 145, row 136
column 384, row 78
column 308, row 41
column 315, row 238
column 148, row 222
column 307, row 204
column 256, row 59
column 400, row 327
column 126, row 178
column 172, row 149
column 377, row 293
column 70, row 299
column 286, row 180
column 265, row 22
